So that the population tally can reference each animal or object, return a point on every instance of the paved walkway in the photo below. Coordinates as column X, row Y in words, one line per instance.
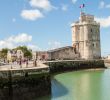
column 15, row 66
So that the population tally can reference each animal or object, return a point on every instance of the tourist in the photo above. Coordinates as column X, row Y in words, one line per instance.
column 8, row 61
column 20, row 63
column 27, row 63
column 35, row 63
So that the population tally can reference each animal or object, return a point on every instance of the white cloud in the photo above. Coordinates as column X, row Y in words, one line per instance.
column 74, row 1
column 13, row 20
column 108, row 6
column 104, row 22
column 33, row 47
column 43, row 4
column 13, row 41
column 5, row 44
column 20, row 38
column 38, row 8
column 54, row 44
column 102, row 4
column 64, row 7
column 31, row 14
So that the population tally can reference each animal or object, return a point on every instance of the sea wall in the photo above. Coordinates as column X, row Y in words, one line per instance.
column 73, row 65
column 24, row 87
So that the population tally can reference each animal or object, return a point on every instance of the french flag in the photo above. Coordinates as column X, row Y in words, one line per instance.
column 82, row 6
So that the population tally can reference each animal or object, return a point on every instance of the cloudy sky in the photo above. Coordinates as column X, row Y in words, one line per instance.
column 45, row 24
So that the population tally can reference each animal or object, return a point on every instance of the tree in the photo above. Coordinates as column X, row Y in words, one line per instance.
column 3, row 53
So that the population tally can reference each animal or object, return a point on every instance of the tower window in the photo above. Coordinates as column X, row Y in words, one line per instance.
column 93, row 44
column 91, row 30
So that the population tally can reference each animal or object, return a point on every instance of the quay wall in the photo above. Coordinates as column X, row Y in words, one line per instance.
column 74, row 65
column 24, row 86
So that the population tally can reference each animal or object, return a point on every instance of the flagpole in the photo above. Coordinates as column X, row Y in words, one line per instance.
column 81, row 10
column 82, row 7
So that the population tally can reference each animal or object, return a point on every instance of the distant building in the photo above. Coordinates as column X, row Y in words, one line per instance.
column 108, row 57
column 34, row 55
column 40, row 55
column 20, row 54
column 15, row 54
column 86, row 37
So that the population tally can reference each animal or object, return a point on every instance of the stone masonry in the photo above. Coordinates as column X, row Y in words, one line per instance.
column 86, row 37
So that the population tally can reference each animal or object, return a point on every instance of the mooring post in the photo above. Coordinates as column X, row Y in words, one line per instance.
column 11, row 66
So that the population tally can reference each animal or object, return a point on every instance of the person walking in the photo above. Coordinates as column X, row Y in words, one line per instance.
column 20, row 63
column 27, row 63
column 35, row 63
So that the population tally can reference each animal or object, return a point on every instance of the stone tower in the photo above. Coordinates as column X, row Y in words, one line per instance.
column 86, row 37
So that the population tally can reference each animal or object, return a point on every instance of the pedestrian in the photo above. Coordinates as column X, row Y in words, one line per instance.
column 26, row 63
column 8, row 61
column 20, row 63
column 35, row 63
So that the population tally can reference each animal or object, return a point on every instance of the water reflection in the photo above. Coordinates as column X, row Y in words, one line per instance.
column 58, row 89
column 82, row 85
column 106, row 85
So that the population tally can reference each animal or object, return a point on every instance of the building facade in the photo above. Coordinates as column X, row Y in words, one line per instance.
column 14, row 55
column 40, row 55
column 86, row 37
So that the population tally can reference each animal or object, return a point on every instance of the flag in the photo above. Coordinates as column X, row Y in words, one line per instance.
column 82, row 6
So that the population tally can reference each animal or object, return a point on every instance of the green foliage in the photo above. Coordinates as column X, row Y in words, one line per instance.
column 3, row 53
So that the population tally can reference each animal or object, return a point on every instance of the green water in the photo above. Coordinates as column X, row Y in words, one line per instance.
column 81, row 85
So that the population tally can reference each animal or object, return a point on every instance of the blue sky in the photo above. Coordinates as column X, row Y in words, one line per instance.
column 44, row 24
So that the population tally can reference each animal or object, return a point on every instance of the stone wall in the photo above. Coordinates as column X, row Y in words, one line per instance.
column 65, row 53
column 61, row 66
column 27, row 87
